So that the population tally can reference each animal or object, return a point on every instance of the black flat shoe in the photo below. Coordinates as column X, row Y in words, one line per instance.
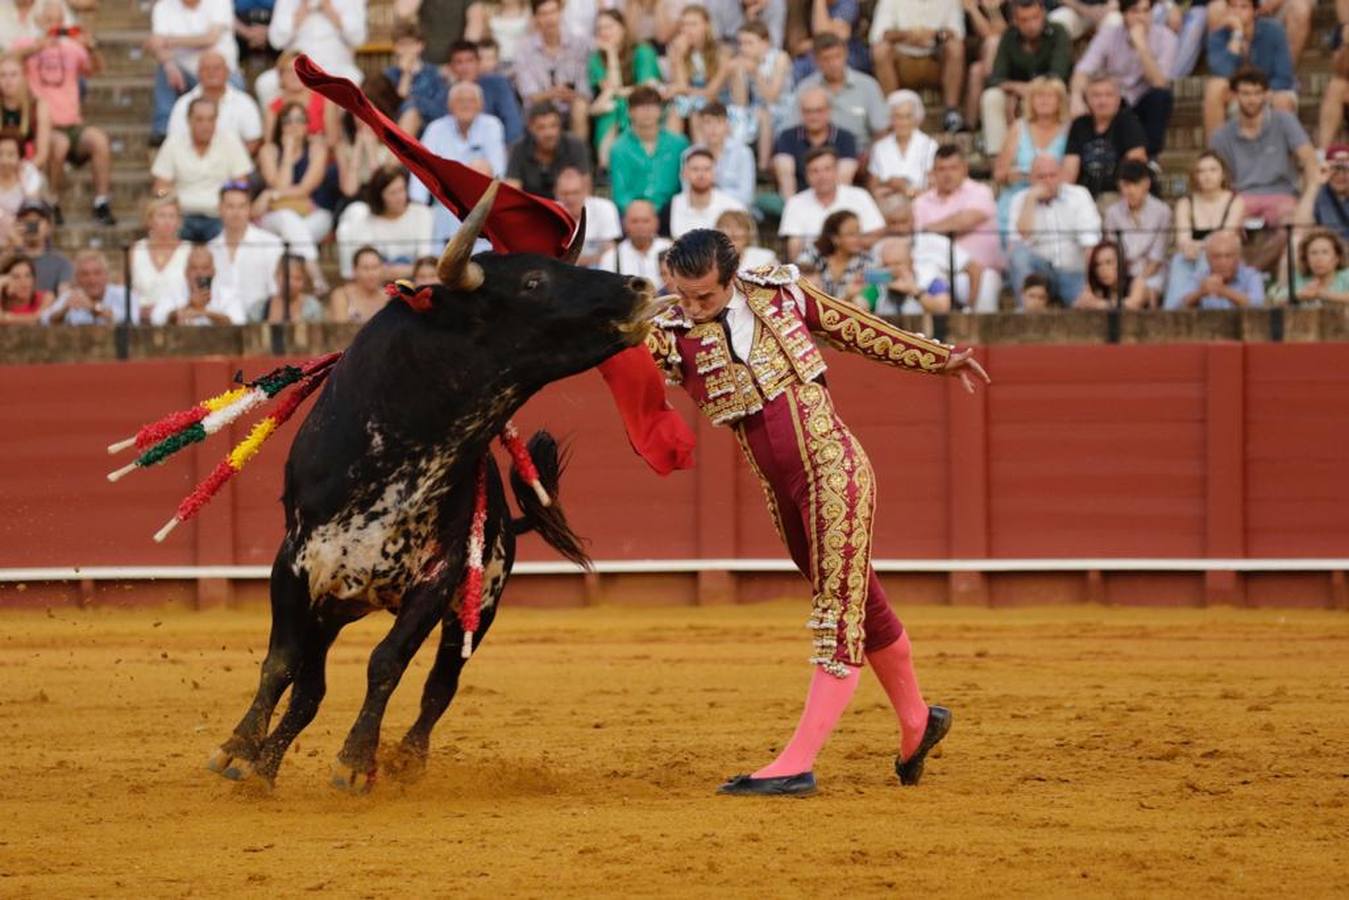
column 938, row 723
column 782, row 786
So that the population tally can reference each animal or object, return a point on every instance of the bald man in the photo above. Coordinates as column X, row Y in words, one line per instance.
column 236, row 111
column 1053, row 226
column 466, row 135
column 1221, row 281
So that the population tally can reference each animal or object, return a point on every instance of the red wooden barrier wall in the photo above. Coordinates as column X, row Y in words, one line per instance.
column 1181, row 450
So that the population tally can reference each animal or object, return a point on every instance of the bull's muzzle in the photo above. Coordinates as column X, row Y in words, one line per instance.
column 648, row 306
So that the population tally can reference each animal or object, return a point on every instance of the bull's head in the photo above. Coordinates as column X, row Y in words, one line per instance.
column 541, row 318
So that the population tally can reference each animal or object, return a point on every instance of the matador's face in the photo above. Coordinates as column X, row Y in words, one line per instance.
column 702, row 298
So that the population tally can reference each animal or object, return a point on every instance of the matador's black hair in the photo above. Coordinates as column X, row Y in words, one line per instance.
column 697, row 251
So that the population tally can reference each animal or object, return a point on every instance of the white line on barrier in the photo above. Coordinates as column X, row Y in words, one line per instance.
column 676, row 566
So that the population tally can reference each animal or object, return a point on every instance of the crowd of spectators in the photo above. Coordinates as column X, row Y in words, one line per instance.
column 805, row 120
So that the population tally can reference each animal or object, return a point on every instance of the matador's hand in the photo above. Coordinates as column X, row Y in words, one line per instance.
column 962, row 364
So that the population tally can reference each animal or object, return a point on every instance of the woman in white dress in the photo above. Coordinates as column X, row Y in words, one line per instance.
column 901, row 160
column 159, row 260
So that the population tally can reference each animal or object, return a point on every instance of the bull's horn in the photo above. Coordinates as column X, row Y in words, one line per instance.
column 456, row 270
column 578, row 239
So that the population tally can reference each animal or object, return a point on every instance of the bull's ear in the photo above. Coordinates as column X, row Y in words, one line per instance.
column 578, row 240
column 456, row 270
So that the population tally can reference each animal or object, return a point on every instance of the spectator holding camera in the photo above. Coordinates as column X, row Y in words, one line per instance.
column 32, row 235
column 92, row 299
column 327, row 31
column 921, row 44
column 197, row 299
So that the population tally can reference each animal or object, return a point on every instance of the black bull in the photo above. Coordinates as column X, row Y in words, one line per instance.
column 380, row 481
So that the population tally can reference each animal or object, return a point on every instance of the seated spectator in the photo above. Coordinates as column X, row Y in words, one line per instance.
column 921, row 44
column 180, row 32
column 388, row 222
column 699, row 67
column 1321, row 273
column 1080, row 18
column 856, row 102
column 551, row 68
column 1042, row 131
column 54, row 65
column 701, row 202
column 33, row 238
column 1263, row 149
column 292, row 299
column 645, row 160
column 735, row 173
column 245, row 255
column 957, row 204
column 19, row 182
column 19, row 19
column 1099, row 141
column 739, row 226
column 638, row 253
column 429, row 92
column 195, row 165
column 251, row 18
column 159, row 259
column 1245, row 40
column 806, row 211
column 840, row 17
column 293, row 165
column 505, row 24
column 1032, row 48
column 985, row 24
column 729, row 16
column 1296, row 18
column 196, row 299
column 469, row 136
column 25, row 114
column 792, row 146
column 839, row 259
column 236, row 111
column 652, row 21
column 759, row 82
column 1222, row 281
column 1210, row 206
column 1140, row 224
column 901, row 160
column 359, row 154
column 1330, row 202
column 926, row 271
column 21, row 302
column 329, row 33
column 537, row 158
column 362, row 296
column 1109, row 284
column 1055, row 224
column 92, row 299
column 1036, row 295
column 617, row 65
column 1138, row 54
column 602, row 223
column 425, row 271
column 290, row 89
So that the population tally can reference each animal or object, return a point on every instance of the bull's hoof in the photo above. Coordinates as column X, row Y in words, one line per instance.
column 402, row 763
column 348, row 780
column 227, row 765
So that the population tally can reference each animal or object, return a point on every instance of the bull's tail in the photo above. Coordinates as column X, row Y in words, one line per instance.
column 549, row 521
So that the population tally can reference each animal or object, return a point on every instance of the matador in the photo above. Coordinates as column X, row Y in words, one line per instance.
column 743, row 346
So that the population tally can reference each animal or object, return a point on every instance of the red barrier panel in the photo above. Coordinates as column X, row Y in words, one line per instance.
column 1217, row 450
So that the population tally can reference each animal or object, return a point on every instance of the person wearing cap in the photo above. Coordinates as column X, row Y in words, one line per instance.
column 1330, row 202
column 32, row 235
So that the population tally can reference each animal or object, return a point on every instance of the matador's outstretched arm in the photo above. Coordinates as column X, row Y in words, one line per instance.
column 855, row 330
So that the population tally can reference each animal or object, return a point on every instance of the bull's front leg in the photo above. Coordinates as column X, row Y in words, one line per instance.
column 419, row 612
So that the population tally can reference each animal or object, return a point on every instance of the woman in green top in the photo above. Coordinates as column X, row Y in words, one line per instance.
column 617, row 65
column 1321, row 276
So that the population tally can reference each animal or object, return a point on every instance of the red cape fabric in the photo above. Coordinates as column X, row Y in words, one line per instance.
column 525, row 223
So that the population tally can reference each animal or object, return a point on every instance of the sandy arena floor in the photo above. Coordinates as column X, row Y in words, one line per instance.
column 1096, row 752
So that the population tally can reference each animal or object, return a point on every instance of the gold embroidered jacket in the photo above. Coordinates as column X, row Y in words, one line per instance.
column 787, row 311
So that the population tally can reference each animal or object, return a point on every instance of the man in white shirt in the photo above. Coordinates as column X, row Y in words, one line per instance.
column 602, row 225
column 701, row 202
column 245, row 255
column 639, row 253
column 805, row 212
column 181, row 30
column 329, row 31
column 199, row 301
column 195, row 165
column 921, row 44
column 236, row 111
column 469, row 136
column 1053, row 226
column 92, row 299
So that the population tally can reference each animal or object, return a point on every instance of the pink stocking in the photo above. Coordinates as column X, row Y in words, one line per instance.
column 825, row 701
column 893, row 666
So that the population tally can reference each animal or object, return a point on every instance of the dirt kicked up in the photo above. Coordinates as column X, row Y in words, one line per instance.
column 1096, row 752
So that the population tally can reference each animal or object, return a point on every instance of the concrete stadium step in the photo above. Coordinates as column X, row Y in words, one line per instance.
column 115, row 15
column 124, row 55
column 130, row 187
column 81, row 232
column 130, row 142
column 119, row 98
